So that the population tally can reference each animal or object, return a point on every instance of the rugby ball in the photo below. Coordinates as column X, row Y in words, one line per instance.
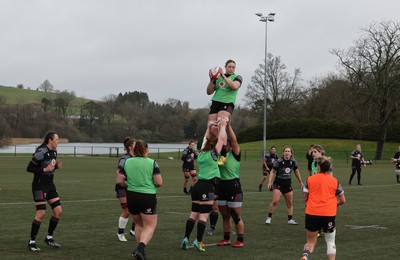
column 214, row 73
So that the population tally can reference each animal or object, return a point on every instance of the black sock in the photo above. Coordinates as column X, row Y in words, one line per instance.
column 227, row 235
column 201, row 227
column 289, row 217
column 52, row 225
column 270, row 215
column 240, row 238
column 141, row 247
column 189, row 227
column 223, row 151
column 35, row 229
column 213, row 219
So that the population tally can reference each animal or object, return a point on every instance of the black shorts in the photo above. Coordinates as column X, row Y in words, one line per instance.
column 120, row 192
column 187, row 167
column 283, row 186
column 203, row 190
column 230, row 190
column 141, row 203
column 217, row 106
column 44, row 195
column 265, row 171
column 316, row 223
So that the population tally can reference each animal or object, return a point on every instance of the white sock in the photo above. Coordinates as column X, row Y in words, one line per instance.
column 49, row 237
column 122, row 222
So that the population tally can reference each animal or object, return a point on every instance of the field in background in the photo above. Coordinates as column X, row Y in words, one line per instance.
column 25, row 96
column 367, row 224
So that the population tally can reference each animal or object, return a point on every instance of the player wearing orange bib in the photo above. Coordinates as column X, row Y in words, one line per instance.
column 321, row 193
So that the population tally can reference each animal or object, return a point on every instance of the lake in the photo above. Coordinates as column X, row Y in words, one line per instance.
column 113, row 149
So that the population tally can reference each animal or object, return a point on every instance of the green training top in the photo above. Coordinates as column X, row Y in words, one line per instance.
column 230, row 170
column 314, row 168
column 139, row 175
column 223, row 92
column 208, row 167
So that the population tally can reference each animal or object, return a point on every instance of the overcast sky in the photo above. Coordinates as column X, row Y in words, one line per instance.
column 165, row 47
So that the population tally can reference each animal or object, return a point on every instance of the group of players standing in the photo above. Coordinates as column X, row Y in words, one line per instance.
column 216, row 186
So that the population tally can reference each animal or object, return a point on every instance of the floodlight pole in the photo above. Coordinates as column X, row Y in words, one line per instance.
column 265, row 19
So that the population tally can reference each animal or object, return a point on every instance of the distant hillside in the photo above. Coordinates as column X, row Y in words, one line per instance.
column 15, row 95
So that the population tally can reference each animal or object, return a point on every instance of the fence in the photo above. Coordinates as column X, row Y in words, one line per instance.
column 166, row 152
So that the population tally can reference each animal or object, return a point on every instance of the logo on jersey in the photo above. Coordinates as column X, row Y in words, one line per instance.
column 288, row 170
column 222, row 84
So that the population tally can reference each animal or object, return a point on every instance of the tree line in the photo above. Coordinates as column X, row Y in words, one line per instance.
column 363, row 91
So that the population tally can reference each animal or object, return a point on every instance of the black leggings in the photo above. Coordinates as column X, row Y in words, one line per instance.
column 353, row 172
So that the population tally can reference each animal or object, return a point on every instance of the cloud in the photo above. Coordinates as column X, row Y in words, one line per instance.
column 165, row 48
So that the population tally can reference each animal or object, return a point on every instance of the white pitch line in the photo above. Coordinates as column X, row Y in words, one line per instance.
column 205, row 245
column 185, row 196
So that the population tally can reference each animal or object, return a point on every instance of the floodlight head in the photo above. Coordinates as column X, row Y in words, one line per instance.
column 271, row 17
column 259, row 14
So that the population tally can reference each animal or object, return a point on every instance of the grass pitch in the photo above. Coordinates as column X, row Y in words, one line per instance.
column 367, row 225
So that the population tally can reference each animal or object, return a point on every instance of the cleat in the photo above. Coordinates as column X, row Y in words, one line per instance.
column 185, row 243
column 34, row 248
column 221, row 160
column 132, row 233
column 138, row 255
column 268, row 221
column 238, row 244
column 199, row 246
column 224, row 243
column 292, row 222
column 211, row 232
column 304, row 258
column 122, row 238
column 50, row 242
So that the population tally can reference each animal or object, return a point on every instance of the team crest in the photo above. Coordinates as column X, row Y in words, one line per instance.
column 287, row 170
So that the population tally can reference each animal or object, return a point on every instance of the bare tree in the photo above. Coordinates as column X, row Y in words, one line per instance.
column 373, row 67
column 282, row 88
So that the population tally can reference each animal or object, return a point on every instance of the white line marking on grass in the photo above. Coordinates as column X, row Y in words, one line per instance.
column 205, row 245
column 185, row 196
column 365, row 227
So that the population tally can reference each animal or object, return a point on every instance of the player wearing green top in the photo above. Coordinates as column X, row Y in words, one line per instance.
column 225, row 90
column 230, row 195
column 203, row 191
column 142, row 177
column 316, row 151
